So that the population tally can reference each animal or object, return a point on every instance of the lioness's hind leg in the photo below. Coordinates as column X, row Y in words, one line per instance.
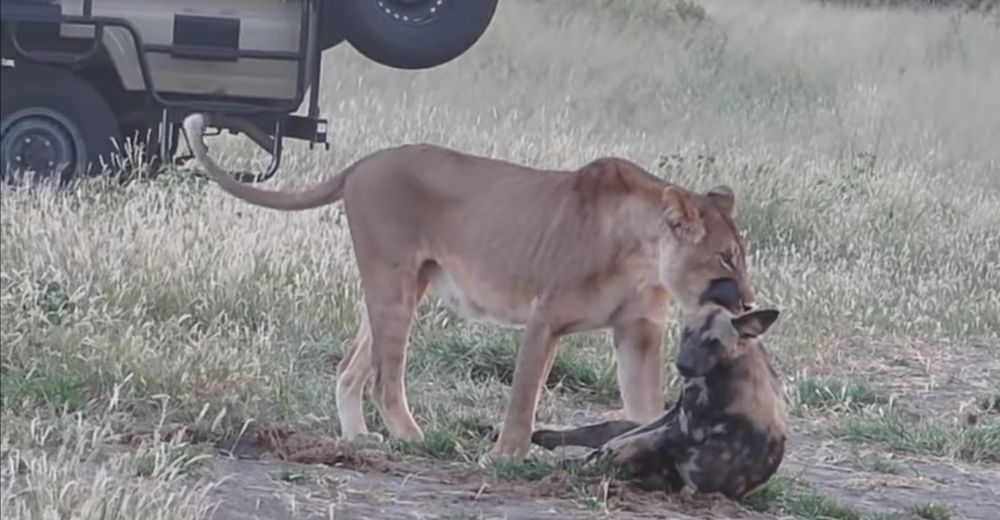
column 392, row 301
column 353, row 373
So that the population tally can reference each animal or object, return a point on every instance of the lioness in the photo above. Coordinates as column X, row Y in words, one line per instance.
column 555, row 252
column 726, row 433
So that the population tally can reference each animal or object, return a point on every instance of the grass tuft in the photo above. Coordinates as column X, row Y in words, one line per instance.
column 450, row 438
column 169, row 460
column 80, row 479
column 590, row 484
column 290, row 475
column 528, row 469
column 785, row 495
column 931, row 511
column 836, row 396
column 882, row 465
column 990, row 403
column 974, row 443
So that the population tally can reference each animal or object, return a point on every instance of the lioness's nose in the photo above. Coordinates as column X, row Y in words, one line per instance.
column 747, row 297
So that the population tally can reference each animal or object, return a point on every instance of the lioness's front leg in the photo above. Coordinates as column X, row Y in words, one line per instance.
column 639, row 352
column 534, row 361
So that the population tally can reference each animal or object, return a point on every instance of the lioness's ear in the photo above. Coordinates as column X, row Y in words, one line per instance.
column 755, row 323
column 681, row 214
column 723, row 198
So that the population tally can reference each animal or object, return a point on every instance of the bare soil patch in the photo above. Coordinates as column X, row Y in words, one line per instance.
column 422, row 490
column 928, row 379
column 274, row 472
column 852, row 475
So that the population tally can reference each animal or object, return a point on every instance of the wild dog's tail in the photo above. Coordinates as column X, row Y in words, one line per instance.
column 326, row 192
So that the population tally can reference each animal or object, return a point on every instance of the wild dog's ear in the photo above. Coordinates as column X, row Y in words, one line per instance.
column 681, row 214
column 755, row 323
column 724, row 199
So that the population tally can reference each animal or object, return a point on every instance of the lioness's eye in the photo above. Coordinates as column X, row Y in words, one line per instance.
column 726, row 260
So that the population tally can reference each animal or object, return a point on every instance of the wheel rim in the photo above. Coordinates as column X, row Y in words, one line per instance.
column 411, row 12
column 40, row 143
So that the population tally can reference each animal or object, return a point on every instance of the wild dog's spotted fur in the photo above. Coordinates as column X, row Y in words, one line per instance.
column 726, row 432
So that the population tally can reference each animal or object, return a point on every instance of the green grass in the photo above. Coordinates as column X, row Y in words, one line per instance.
column 541, row 467
column 836, row 396
column 529, row 469
column 452, row 438
column 974, row 443
column 931, row 511
column 291, row 475
column 590, row 485
column 583, row 364
column 174, row 460
column 882, row 465
column 990, row 403
column 788, row 496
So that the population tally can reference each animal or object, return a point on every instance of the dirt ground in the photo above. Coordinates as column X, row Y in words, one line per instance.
column 420, row 492
column 260, row 489
column 971, row 490
column 396, row 488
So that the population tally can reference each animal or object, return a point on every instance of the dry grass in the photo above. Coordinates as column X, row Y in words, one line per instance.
column 86, row 476
column 861, row 144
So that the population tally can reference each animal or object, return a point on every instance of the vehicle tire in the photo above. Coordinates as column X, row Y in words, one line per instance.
column 331, row 32
column 54, row 124
column 413, row 34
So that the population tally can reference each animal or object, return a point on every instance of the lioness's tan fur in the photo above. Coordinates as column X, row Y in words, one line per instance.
column 554, row 252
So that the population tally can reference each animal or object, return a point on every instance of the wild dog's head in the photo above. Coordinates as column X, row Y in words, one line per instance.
column 714, row 337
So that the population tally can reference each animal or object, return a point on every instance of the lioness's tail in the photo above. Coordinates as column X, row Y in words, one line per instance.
column 326, row 192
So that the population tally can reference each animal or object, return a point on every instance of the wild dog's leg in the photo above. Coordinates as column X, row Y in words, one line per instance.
column 668, row 417
column 596, row 435
column 534, row 360
column 649, row 453
column 353, row 373
column 392, row 296
column 591, row 436
column 639, row 349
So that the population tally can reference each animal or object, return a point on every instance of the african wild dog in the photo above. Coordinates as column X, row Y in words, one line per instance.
column 726, row 432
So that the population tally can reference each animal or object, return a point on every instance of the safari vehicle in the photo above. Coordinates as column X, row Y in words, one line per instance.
column 79, row 76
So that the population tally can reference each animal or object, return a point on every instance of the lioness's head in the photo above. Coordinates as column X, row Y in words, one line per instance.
column 713, row 337
column 704, row 257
